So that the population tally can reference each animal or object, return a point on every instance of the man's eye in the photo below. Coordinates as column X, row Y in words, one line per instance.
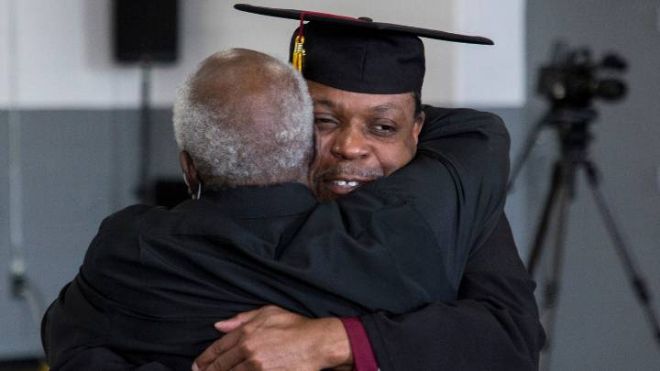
column 383, row 129
column 325, row 122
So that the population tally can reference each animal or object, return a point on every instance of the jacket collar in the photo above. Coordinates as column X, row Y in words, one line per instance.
column 257, row 201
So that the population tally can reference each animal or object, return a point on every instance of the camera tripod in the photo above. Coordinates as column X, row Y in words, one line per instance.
column 574, row 136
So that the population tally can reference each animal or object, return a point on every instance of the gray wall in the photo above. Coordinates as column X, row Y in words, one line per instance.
column 78, row 167
column 599, row 324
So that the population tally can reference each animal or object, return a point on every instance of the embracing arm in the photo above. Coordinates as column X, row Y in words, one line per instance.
column 492, row 326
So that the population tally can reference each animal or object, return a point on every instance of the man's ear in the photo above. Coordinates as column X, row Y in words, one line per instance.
column 417, row 126
column 190, row 175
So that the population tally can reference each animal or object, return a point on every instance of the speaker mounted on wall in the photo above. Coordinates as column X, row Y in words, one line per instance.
column 145, row 30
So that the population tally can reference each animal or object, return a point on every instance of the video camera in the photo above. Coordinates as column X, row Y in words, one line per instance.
column 573, row 79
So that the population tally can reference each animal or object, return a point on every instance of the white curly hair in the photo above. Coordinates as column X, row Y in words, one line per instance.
column 245, row 118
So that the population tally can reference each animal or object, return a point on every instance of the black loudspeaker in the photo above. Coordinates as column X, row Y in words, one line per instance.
column 145, row 30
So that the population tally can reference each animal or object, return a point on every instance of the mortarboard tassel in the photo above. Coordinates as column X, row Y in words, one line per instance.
column 298, row 56
column 298, row 53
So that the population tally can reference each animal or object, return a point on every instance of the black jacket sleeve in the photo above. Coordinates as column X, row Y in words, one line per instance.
column 492, row 326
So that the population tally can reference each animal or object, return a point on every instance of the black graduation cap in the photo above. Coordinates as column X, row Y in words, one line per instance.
column 358, row 54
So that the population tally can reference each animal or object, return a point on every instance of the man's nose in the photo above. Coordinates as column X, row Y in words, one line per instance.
column 350, row 144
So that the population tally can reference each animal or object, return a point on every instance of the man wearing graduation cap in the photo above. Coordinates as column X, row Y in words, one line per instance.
column 366, row 79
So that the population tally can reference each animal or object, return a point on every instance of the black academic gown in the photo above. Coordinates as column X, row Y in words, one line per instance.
column 492, row 325
column 154, row 281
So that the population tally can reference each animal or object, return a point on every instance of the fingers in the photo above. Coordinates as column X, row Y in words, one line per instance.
column 228, row 325
column 227, row 361
column 216, row 349
column 237, row 321
column 241, row 347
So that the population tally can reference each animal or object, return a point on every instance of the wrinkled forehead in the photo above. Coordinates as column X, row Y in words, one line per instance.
column 328, row 98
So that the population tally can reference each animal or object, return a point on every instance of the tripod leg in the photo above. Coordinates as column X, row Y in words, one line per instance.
column 551, row 287
column 527, row 150
column 638, row 283
column 542, row 228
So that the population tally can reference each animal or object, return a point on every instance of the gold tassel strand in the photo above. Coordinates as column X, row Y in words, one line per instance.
column 298, row 56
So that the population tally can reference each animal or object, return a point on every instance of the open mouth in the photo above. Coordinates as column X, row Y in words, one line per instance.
column 343, row 178
column 343, row 186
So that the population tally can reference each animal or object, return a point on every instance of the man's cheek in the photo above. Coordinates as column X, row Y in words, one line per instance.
column 396, row 160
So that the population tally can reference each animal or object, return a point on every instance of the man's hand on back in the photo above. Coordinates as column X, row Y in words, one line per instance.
column 271, row 338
